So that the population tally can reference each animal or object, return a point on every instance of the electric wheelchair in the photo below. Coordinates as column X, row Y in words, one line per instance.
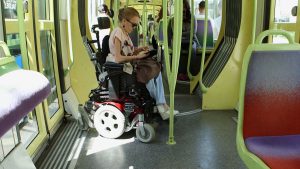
column 119, row 103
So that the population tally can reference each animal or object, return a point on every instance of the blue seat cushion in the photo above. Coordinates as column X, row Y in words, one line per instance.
column 20, row 92
column 276, row 151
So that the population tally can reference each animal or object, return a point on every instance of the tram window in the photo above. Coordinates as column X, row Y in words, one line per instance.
column 44, row 12
column 9, row 141
column 13, row 43
column 10, row 9
column 2, row 53
column 28, row 127
column 283, row 11
column 279, row 39
column 48, row 65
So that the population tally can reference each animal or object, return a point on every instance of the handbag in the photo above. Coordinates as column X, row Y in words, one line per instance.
column 147, row 69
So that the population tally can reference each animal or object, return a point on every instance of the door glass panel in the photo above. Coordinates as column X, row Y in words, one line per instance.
column 283, row 11
column 28, row 128
column 8, row 141
column 44, row 10
column 10, row 9
column 47, row 59
column 13, row 43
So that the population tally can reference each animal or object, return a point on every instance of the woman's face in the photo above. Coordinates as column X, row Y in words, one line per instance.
column 130, row 24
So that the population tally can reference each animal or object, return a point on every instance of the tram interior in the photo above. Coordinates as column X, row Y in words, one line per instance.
column 239, row 57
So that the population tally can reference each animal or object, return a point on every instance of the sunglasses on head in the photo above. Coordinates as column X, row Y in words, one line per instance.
column 132, row 24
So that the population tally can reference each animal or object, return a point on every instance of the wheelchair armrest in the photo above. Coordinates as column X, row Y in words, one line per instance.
column 112, row 66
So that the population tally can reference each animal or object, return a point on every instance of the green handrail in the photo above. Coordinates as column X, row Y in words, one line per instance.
column 202, row 86
column 254, row 21
column 191, row 43
column 284, row 33
column 5, row 49
column 7, row 63
column 172, row 74
column 116, row 12
column 67, row 70
column 144, row 21
column 20, row 13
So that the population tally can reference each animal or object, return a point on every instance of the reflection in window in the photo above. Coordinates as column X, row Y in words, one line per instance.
column 283, row 11
column 28, row 128
column 44, row 9
column 8, row 141
column 279, row 39
column 10, row 9
column 13, row 43
column 47, row 59
column 2, row 54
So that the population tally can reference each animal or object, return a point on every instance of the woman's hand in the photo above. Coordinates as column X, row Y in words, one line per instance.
column 144, row 48
column 138, row 50
column 142, row 54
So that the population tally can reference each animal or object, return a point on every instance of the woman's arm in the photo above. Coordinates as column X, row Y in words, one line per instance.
column 139, row 49
column 119, row 58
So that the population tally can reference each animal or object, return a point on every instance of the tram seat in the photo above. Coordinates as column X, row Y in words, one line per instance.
column 268, row 126
column 103, row 22
column 200, row 34
column 185, row 43
column 20, row 92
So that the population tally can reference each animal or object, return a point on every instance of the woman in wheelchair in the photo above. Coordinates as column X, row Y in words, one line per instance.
column 122, row 51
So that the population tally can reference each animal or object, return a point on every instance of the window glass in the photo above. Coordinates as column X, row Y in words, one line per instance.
column 10, row 9
column 13, row 43
column 28, row 128
column 8, row 141
column 47, row 59
column 44, row 13
column 282, row 39
column 283, row 11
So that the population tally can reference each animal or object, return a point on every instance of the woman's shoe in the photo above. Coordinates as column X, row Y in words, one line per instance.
column 165, row 113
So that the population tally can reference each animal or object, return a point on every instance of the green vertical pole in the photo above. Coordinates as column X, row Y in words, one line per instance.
column 144, row 22
column 116, row 10
column 191, row 40
column 127, row 3
column 172, row 74
column 254, row 21
column 203, row 88
column 21, row 23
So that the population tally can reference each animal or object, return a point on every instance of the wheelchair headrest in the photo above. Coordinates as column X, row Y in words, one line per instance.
column 103, row 22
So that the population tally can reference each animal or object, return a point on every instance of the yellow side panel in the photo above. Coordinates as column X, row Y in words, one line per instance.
column 224, row 93
column 83, row 77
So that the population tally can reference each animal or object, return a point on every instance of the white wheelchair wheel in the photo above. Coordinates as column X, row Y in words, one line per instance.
column 147, row 136
column 109, row 121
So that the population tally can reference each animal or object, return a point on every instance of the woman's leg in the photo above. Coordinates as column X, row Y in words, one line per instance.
column 156, row 89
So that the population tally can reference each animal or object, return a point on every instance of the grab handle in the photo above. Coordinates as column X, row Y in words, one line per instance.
column 8, row 58
column 284, row 33
column 5, row 49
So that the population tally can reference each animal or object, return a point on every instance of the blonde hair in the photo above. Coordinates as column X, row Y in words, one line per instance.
column 127, row 13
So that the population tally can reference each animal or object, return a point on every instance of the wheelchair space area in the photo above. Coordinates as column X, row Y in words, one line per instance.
column 204, row 140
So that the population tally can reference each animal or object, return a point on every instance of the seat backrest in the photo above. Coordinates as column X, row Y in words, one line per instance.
column 160, row 32
column 200, row 33
column 105, row 48
column 103, row 22
column 272, row 94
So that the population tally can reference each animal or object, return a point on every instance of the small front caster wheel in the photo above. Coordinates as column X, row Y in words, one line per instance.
column 145, row 133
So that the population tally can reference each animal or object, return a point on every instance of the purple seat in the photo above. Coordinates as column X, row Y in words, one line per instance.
column 276, row 151
column 20, row 92
column 200, row 33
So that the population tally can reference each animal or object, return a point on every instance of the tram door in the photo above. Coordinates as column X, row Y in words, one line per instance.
column 285, row 15
column 40, row 55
